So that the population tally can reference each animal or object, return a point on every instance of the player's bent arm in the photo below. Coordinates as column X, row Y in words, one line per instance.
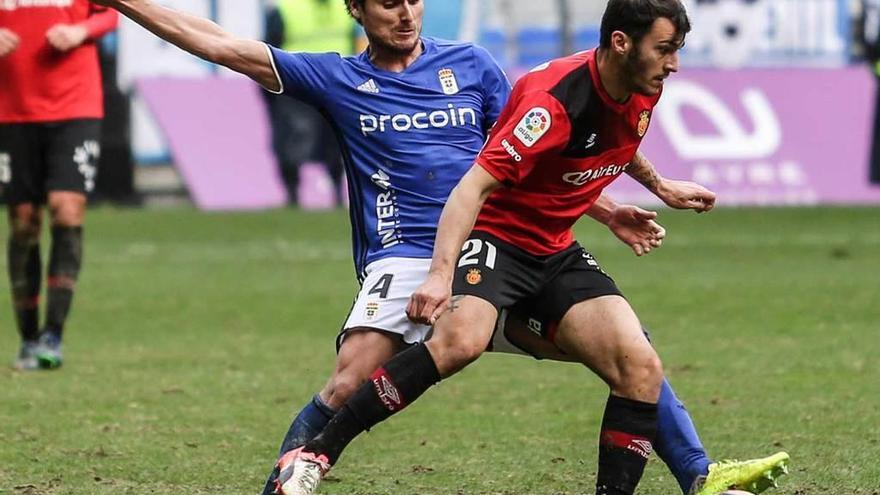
column 602, row 209
column 203, row 38
column 675, row 193
column 456, row 222
column 458, row 217
column 100, row 23
column 642, row 170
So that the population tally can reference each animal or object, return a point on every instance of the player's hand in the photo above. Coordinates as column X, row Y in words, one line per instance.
column 686, row 195
column 430, row 300
column 8, row 42
column 66, row 37
column 636, row 228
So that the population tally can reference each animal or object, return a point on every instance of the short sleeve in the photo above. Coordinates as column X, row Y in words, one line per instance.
column 532, row 128
column 304, row 75
column 495, row 85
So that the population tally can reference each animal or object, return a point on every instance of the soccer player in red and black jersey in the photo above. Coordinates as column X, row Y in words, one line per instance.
column 569, row 129
column 51, row 106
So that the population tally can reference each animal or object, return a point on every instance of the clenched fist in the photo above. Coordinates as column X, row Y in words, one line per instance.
column 66, row 37
column 8, row 42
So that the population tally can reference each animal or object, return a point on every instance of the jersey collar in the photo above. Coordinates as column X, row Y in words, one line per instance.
column 427, row 47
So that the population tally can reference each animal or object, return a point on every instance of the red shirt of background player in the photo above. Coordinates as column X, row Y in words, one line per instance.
column 560, row 140
column 41, row 84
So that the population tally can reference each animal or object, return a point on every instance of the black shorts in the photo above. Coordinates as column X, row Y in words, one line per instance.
column 42, row 157
column 506, row 276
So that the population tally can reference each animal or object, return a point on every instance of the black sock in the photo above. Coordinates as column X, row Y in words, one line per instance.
column 25, row 269
column 391, row 388
column 628, row 431
column 65, row 260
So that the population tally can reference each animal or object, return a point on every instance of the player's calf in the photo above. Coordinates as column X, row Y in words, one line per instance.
column 625, row 444
column 25, row 270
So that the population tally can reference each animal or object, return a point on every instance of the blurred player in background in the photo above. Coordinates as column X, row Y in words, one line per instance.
column 51, row 106
column 570, row 128
column 299, row 133
column 412, row 114
column 868, row 36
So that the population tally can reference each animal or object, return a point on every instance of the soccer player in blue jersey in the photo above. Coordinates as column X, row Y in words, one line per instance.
column 411, row 114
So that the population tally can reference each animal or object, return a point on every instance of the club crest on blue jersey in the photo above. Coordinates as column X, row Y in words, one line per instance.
column 448, row 81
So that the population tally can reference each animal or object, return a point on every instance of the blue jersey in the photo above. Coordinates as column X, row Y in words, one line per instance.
column 406, row 138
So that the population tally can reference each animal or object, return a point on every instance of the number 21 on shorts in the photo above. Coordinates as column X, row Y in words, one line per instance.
column 473, row 249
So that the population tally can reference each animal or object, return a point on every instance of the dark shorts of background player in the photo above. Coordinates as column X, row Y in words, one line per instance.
column 506, row 276
column 36, row 158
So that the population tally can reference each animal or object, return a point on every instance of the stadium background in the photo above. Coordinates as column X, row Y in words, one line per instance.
column 196, row 334
column 772, row 92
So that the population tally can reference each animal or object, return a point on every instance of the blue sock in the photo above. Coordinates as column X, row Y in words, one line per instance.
column 677, row 442
column 306, row 426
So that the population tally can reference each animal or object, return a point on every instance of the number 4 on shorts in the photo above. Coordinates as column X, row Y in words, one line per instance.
column 382, row 286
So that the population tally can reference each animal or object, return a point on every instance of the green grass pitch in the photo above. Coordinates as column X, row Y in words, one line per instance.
column 194, row 338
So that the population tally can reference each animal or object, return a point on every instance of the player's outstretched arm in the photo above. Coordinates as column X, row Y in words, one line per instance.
column 634, row 226
column 202, row 38
column 683, row 195
column 456, row 222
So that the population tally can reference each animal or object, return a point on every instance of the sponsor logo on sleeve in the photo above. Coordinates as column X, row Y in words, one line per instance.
column 511, row 150
column 533, row 126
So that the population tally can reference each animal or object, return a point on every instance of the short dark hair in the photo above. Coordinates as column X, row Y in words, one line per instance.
column 348, row 8
column 635, row 18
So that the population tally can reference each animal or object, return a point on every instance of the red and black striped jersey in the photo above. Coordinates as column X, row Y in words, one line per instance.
column 559, row 142
column 41, row 84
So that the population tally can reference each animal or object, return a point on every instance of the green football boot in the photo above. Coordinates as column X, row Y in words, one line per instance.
column 49, row 351
column 756, row 475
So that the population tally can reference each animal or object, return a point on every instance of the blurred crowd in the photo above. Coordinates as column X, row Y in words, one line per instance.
column 517, row 33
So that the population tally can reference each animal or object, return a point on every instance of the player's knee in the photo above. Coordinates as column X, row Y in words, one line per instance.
column 25, row 225
column 466, row 352
column 641, row 377
column 342, row 387
column 453, row 353
column 67, row 216
column 67, row 209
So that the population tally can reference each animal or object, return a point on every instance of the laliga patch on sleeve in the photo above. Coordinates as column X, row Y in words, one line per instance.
column 535, row 124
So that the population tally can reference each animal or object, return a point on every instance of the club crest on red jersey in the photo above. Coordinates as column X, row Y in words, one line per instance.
column 644, row 121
